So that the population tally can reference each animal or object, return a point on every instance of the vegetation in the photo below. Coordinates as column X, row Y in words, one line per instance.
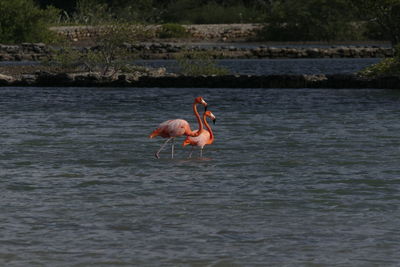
column 387, row 67
column 172, row 30
column 212, row 12
column 285, row 20
column 90, row 12
column 166, row 11
column 382, row 17
column 197, row 63
column 66, row 58
column 24, row 21
column 332, row 20
column 383, row 22
column 109, row 56
column 310, row 20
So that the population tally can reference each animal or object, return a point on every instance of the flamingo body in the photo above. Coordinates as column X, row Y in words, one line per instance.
column 172, row 128
column 201, row 140
column 205, row 136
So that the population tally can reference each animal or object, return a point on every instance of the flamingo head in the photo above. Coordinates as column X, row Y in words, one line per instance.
column 210, row 115
column 200, row 100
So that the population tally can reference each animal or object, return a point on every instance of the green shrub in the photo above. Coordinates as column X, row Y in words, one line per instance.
column 23, row 21
column 387, row 67
column 382, row 17
column 197, row 12
column 66, row 58
column 310, row 20
column 172, row 30
column 199, row 63
column 109, row 57
column 91, row 12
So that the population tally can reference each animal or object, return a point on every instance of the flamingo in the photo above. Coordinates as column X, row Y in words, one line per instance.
column 175, row 128
column 205, row 137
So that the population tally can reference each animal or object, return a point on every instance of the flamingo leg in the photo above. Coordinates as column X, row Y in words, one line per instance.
column 201, row 152
column 191, row 151
column 172, row 149
column 163, row 145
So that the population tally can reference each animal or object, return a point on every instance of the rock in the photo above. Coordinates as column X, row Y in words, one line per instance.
column 11, row 49
column 315, row 81
column 313, row 52
column 39, row 47
column 6, row 79
column 159, row 72
column 48, row 78
column 121, row 80
column 6, row 57
column 28, row 79
column 18, row 57
column 315, row 78
column 87, row 78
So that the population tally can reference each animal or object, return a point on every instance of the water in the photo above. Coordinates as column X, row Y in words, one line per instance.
column 296, row 177
column 263, row 66
column 279, row 66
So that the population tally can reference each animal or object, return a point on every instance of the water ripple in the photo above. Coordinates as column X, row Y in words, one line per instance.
column 295, row 177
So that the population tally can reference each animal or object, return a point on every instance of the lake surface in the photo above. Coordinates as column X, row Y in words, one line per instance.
column 296, row 177
column 262, row 66
column 252, row 45
column 278, row 66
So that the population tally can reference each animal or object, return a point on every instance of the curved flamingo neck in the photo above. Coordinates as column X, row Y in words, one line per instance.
column 196, row 113
column 208, row 128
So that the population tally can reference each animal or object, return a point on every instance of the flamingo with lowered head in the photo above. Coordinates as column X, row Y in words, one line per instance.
column 174, row 128
column 205, row 137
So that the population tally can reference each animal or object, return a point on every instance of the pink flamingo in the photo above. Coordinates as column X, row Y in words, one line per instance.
column 174, row 128
column 205, row 137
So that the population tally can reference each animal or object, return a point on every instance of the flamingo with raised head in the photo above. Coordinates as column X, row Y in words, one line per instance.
column 175, row 128
column 205, row 137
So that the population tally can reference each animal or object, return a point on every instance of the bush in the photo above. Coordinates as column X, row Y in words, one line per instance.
column 383, row 17
column 23, row 21
column 110, row 56
column 387, row 67
column 172, row 30
column 66, row 58
column 91, row 12
column 199, row 63
column 193, row 11
column 310, row 20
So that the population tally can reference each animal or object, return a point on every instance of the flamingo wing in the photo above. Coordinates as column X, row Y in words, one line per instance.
column 201, row 140
column 171, row 128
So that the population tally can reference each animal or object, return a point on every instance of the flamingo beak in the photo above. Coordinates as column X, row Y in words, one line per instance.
column 214, row 119
column 205, row 108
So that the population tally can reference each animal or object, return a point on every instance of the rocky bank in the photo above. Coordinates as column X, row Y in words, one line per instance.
column 159, row 78
column 199, row 32
column 39, row 51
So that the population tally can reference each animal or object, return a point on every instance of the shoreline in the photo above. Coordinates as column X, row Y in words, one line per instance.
column 165, row 50
column 164, row 80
